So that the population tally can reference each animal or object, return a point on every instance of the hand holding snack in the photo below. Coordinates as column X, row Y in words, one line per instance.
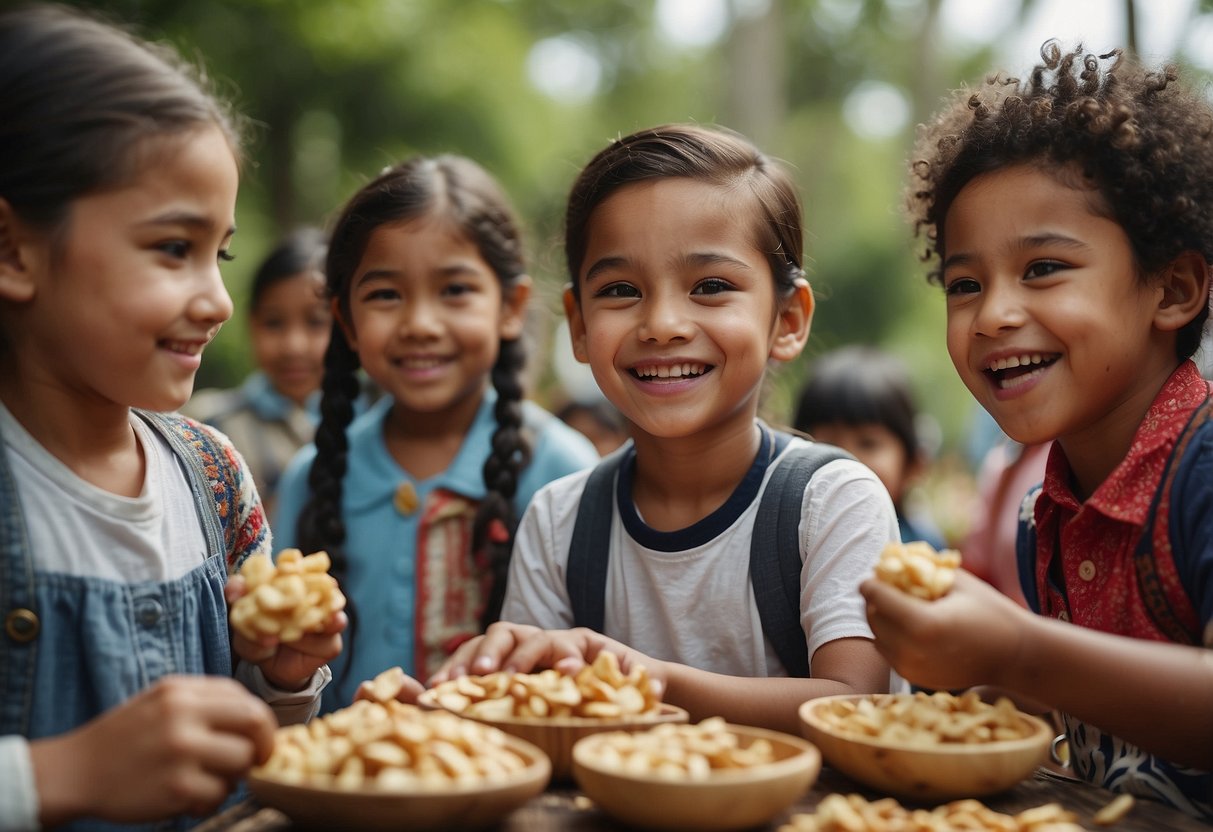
column 286, row 599
column 964, row 638
column 392, row 684
column 287, row 619
column 597, row 691
column 918, row 569
column 523, row 648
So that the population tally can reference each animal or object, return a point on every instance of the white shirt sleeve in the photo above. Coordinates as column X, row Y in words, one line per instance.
column 536, row 592
column 18, row 796
column 290, row 707
column 847, row 519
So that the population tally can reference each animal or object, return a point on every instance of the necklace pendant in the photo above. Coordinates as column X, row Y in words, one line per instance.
column 406, row 501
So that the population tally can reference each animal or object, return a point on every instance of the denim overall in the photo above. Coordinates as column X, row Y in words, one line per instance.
column 74, row 647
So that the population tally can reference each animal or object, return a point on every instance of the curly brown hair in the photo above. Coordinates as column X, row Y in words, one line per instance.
column 1137, row 137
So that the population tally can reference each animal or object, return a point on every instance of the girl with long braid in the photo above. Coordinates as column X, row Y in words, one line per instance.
column 416, row 500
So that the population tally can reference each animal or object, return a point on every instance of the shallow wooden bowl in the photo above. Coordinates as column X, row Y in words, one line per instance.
column 419, row 809
column 936, row 773
column 556, row 736
column 732, row 799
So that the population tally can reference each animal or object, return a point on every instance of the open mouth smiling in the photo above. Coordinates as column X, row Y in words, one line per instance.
column 1015, row 370
column 670, row 372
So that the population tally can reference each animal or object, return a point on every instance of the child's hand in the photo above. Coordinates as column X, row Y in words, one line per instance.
column 287, row 666
column 392, row 683
column 178, row 746
column 957, row 641
column 523, row 648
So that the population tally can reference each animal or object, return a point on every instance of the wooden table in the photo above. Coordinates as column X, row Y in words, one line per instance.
column 564, row 808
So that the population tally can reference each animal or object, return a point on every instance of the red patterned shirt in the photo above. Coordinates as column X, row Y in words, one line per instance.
column 1085, row 570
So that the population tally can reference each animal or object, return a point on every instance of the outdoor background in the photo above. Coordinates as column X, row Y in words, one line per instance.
column 338, row 89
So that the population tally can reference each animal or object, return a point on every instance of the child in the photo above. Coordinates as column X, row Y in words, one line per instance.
column 684, row 245
column 429, row 288
column 120, row 522
column 1068, row 213
column 598, row 420
column 860, row 399
column 274, row 412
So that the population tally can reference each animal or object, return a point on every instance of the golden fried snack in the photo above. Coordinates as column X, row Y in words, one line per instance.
column 390, row 746
column 599, row 690
column 286, row 599
column 679, row 752
column 918, row 569
column 854, row 813
column 926, row 720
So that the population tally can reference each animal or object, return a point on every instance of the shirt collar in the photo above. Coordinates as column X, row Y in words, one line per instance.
column 271, row 405
column 1182, row 393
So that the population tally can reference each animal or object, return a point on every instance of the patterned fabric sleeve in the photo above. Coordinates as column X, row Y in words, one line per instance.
column 241, row 513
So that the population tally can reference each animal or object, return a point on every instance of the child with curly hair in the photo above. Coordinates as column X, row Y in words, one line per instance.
column 1069, row 215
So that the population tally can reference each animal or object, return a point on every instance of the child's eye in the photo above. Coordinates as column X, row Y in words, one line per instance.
column 380, row 294
column 712, row 286
column 455, row 290
column 177, row 249
column 1043, row 268
column 618, row 290
column 962, row 286
column 226, row 256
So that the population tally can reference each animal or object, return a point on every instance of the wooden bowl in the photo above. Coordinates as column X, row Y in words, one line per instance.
column 420, row 809
column 556, row 736
column 730, row 799
column 945, row 771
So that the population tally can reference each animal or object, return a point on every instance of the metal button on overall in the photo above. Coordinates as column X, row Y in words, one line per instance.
column 22, row 625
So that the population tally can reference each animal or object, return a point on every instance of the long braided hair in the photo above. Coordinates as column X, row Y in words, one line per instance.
column 458, row 190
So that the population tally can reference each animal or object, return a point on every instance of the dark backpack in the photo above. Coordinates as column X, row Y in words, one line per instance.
column 775, row 559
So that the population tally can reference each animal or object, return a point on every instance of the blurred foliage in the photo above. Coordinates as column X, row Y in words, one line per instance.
column 337, row 89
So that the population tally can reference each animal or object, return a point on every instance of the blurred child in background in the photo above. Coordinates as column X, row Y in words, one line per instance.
column 120, row 520
column 274, row 412
column 1069, row 214
column 860, row 399
column 600, row 422
column 416, row 500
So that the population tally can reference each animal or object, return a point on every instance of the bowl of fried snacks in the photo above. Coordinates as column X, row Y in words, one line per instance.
column 927, row 747
column 846, row 813
column 918, row 569
column 390, row 766
column 553, row 710
column 286, row 598
column 707, row 776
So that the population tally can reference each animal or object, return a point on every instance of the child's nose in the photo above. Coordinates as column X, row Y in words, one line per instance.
column 418, row 319
column 212, row 302
column 664, row 320
column 1001, row 308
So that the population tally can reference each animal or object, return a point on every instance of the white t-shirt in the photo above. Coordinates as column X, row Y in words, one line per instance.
column 679, row 597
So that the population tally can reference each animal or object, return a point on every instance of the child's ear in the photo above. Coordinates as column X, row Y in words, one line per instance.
column 16, row 274
column 795, row 320
column 1185, row 291
column 513, row 309
column 572, row 313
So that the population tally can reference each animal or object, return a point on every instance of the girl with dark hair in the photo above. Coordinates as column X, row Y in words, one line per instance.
column 860, row 399
column 1067, row 215
column 684, row 246
column 416, row 501
column 275, row 411
column 119, row 520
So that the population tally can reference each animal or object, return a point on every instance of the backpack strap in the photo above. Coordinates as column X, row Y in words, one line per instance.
column 1180, row 625
column 590, row 549
column 775, row 556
